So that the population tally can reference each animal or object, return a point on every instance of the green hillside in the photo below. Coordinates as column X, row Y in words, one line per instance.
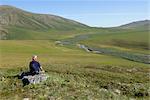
column 145, row 24
column 19, row 24
column 127, row 39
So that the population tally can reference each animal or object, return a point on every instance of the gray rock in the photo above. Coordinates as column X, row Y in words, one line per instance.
column 34, row 79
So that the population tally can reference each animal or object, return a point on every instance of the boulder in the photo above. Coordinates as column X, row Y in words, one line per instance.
column 34, row 79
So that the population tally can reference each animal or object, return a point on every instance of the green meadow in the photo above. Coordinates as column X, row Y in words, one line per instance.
column 73, row 73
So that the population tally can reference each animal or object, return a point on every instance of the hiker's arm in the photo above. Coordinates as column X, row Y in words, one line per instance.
column 41, row 68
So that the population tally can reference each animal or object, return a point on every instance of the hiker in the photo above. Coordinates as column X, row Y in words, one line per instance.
column 34, row 68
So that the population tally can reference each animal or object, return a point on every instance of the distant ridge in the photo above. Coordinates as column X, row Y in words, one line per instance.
column 16, row 23
column 144, row 24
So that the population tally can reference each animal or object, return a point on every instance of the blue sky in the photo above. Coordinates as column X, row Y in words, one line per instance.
column 100, row 13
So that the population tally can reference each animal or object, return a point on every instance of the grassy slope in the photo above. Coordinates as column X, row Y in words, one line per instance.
column 74, row 74
column 128, row 40
column 19, row 33
column 48, row 50
column 20, row 24
column 135, row 39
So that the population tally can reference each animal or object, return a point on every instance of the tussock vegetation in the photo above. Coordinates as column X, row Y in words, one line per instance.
column 79, row 82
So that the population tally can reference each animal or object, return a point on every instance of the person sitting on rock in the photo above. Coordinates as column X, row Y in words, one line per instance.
column 34, row 68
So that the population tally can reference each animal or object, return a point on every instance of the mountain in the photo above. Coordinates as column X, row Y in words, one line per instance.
column 17, row 20
column 145, row 24
column 17, row 24
column 17, row 17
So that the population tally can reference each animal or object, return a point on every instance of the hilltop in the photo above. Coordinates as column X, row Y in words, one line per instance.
column 144, row 24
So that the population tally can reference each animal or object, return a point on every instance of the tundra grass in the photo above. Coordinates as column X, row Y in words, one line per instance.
column 20, row 33
column 49, row 52
column 73, row 73
column 126, row 40
column 135, row 40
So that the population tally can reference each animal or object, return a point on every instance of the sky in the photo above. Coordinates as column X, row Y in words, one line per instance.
column 96, row 13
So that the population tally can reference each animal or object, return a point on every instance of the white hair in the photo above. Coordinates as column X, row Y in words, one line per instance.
column 34, row 57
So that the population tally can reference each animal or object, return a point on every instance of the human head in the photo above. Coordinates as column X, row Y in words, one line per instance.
column 34, row 57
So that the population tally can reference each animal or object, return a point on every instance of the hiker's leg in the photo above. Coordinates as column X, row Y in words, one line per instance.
column 28, row 73
column 20, row 76
column 24, row 74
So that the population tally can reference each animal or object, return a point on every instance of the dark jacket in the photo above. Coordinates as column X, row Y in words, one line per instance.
column 34, row 67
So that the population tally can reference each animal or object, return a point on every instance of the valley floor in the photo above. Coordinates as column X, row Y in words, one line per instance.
column 73, row 73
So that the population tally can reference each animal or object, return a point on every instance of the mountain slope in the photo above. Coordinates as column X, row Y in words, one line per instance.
column 145, row 24
column 12, row 18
